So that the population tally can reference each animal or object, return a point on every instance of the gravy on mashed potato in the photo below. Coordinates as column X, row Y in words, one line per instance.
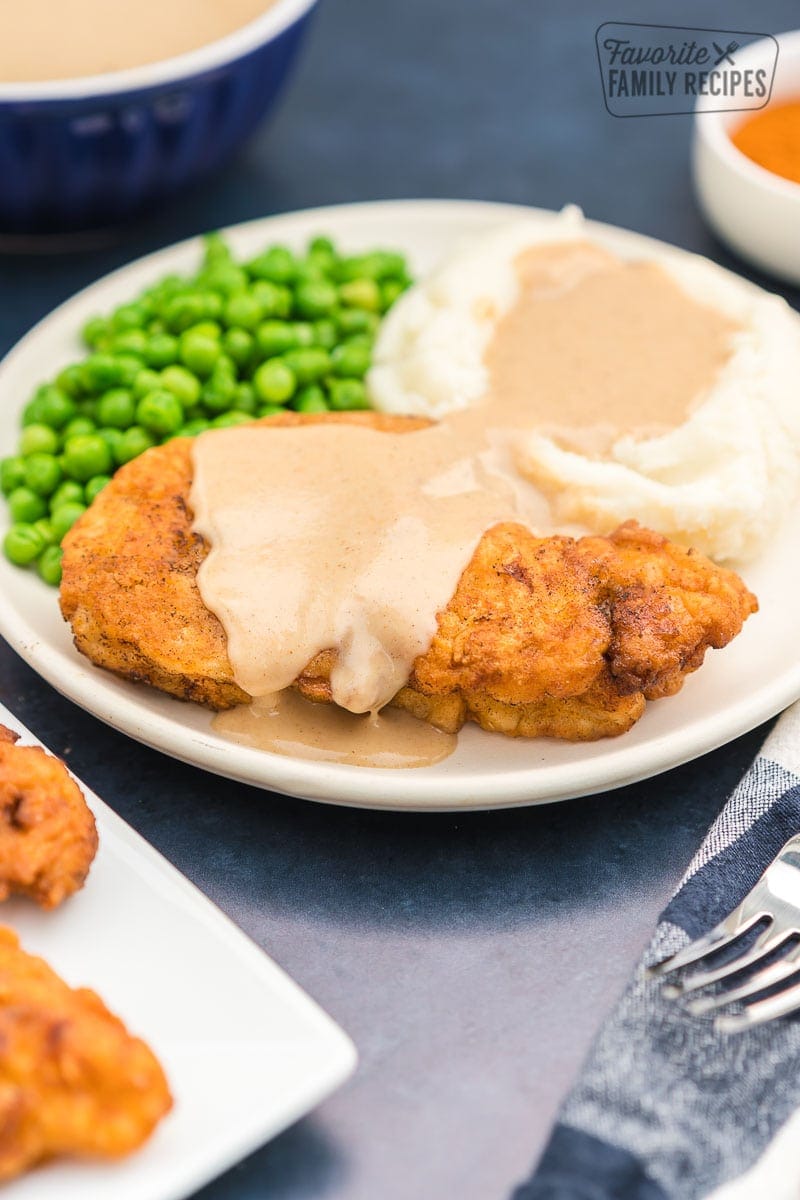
column 65, row 39
column 371, row 531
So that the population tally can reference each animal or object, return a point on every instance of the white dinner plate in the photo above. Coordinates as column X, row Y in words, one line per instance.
column 736, row 689
column 246, row 1051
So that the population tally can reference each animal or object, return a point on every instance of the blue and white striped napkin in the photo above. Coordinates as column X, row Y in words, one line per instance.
column 666, row 1108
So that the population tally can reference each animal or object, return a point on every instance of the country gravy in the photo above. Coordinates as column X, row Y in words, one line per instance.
column 65, row 39
column 338, row 536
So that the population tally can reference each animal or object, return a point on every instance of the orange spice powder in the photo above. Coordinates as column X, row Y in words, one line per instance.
column 771, row 138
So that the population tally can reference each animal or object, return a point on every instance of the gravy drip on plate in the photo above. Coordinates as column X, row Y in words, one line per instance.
column 288, row 724
column 337, row 536
column 65, row 39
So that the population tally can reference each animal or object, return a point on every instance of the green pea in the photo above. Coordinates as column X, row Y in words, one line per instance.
column 49, row 565
column 133, row 442
column 42, row 473
column 146, row 381
column 23, row 544
column 325, row 333
column 64, row 517
column 220, row 389
column 133, row 341
column 321, row 257
column 184, row 311
column 303, row 333
column 32, row 412
column 95, row 330
column 215, row 248
column 229, row 419
column 351, row 359
column 391, row 290
column 243, row 311
column 55, row 407
column 310, row 399
column 361, row 293
column 322, row 244
column 160, row 412
column 244, row 399
column 199, row 351
column 128, row 367
column 68, row 492
column 225, row 278
column 192, row 428
column 94, row 486
column 25, row 505
column 270, row 410
column 161, row 350
column 112, row 438
column 274, row 382
column 308, row 363
column 275, row 301
column 346, row 394
column 79, row 427
column 238, row 343
column 101, row 372
column 356, row 320
column 117, row 408
column 379, row 264
column 70, row 379
column 45, row 528
column 181, row 383
column 275, row 337
column 128, row 317
column 12, row 473
column 277, row 265
column 38, row 439
column 85, row 456
column 315, row 298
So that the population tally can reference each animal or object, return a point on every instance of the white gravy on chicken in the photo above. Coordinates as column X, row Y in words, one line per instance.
column 340, row 537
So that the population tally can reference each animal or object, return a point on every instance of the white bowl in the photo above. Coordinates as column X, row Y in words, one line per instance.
column 756, row 212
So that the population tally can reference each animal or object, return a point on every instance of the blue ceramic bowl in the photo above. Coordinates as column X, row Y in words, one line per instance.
column 79, row 154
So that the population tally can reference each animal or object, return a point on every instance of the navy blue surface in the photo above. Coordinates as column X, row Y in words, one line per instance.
column 471, row 958
column 577, row 1166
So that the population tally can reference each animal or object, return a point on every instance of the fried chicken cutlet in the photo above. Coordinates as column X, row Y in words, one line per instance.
column 48, row 837
column 545, row 636
column 73, row 1081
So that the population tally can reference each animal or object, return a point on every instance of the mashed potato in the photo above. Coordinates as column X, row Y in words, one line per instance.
column 721, row 480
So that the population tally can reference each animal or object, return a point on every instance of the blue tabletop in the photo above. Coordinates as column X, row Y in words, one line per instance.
column 471, row 958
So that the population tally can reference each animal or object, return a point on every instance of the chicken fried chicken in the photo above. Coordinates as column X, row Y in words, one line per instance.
column 545, row 636
column 73, row 1081
column 48, row 837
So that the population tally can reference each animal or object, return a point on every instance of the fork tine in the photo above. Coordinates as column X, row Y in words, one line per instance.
column 768, row 941
column 767, row 977
column 743, row 917
column 782, row 1005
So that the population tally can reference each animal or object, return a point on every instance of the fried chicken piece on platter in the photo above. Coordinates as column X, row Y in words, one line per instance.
column 48, row 837
column 545, row 636
column 73, row 1081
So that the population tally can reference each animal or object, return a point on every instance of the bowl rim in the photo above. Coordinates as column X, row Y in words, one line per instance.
column 262, row 29
column 711, row 127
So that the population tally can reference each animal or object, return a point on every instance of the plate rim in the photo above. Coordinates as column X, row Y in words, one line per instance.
column 381, row 788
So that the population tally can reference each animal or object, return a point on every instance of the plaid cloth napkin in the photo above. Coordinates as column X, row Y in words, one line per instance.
column 666, row 1108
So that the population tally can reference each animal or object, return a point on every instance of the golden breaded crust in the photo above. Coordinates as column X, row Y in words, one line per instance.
column 48, row 837
column 545, row 636
column 72, row 1079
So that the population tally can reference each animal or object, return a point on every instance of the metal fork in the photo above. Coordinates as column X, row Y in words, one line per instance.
column 775, row 899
